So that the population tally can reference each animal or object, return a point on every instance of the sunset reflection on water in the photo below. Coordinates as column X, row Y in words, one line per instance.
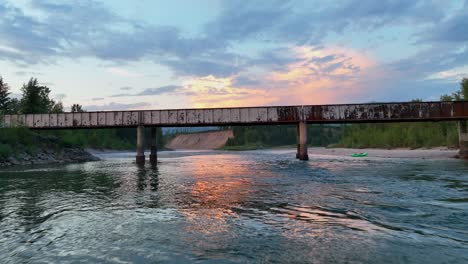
column 256, row 206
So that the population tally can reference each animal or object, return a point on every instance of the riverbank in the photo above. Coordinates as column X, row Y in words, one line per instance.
column 432, row 153
column 48, row 156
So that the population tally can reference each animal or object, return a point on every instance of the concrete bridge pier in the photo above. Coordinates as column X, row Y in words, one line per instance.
column 154, row 148
column 463, row 139
column 140, row 157
column 302, row 141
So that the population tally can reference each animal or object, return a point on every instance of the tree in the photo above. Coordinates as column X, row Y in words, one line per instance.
column 4, row 97
column 446, row 98
column 464, row 88
column 35, row 98
column 58, row 108
column 14, row 106
column 77, row 108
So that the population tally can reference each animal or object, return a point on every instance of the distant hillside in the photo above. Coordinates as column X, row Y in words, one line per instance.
column 201, row 140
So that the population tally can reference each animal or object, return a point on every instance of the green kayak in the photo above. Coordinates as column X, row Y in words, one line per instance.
column 364, row 154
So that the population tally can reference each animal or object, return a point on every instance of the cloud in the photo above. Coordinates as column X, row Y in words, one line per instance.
column 211, row 91
column 59, row 97
column 126, row 88
column 113, row 106
column 311, row 21
column 452, row 29
column 122, row 72
column 159, row 90
column 152, row 91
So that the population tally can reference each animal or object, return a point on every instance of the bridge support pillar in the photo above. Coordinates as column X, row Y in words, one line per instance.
column 463, row 139
column 140, row 157
column 154, row 148
column 302, row 141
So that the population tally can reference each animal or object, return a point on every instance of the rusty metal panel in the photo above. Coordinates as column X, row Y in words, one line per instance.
column 330, row 112
column 85, row 120
column 199, row 117
column 45, row 120
column 68, row 119
column 262, row 114
column 164, row 116
column 93, row 119
column 127, row 118
column 77, row 119
column 191, row 117
column 226, row 116
column 446, row 110
column 21, row 120
column 459, row 109
column 108, row 119
column 118, row 118
column 244, row 115
column 147, row 117
column 272, row 114
column 38, row 120
column 307, row 113
column 7, row 121
column 288, row 114
column 136, row 118
column 30, row 120
column 101, row 119
column 427, row 110
column 53, row 120
column 172, row 117
column 253, row 114
column 208, row 116
column 13, row 121
column 350, row 112
column 60, row 120
column 394, row 111
column 376, row 112
column 235, row 115
column 217, row 115
column 156, row 117
column 181, row 118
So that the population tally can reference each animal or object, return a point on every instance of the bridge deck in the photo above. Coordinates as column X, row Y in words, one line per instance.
column 345, row 113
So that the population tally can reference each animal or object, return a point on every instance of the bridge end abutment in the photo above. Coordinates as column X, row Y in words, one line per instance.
column 302, row 152
column 463, row 139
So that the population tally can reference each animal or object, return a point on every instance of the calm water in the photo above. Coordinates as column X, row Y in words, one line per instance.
column 214, row 207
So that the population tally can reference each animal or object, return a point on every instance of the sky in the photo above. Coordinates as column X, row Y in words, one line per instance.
column 158, row 54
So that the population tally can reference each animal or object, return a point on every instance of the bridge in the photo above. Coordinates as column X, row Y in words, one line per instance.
column 271, row 115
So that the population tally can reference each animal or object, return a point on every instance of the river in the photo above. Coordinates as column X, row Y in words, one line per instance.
column 236, row 207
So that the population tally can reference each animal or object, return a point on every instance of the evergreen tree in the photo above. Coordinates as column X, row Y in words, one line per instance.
column 4, row 97
column 58, row 108
column 464, row 88
column 446, row 98
column 35, row 98
column 77, row 108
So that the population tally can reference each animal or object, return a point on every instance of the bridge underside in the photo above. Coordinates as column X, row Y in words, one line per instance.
column 272, row 115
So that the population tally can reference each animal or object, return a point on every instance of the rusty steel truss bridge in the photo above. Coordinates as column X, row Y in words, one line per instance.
column 268, row 115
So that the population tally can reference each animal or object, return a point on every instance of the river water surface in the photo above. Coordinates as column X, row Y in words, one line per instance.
column 236, row 207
